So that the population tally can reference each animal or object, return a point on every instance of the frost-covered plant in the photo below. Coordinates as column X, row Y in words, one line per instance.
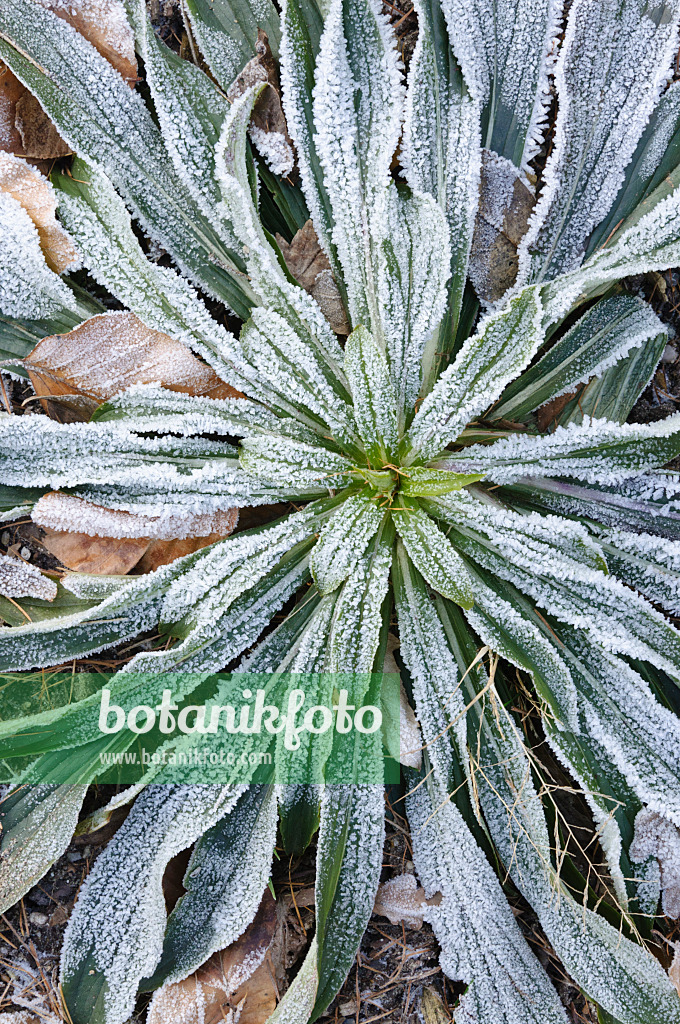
column 427, row 499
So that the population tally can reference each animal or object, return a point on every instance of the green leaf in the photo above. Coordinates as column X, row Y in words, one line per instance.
column 224, row 882
column 423, row 482
column 226, row 31
column 433, row 554
column 348, row 865
column 609, row 332
column 375, row 401
column 343, row 540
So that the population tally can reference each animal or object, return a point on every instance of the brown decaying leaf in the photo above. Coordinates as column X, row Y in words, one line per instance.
column 107, row 556
column 505, row 205
column 309, row 265
column 432, row 1009
column 267, row 118
column 674, row 969
column 35, row 194
column 107, row 354
column 401, row 899
column 550, row 412
column 234, row 985
column 25, row 129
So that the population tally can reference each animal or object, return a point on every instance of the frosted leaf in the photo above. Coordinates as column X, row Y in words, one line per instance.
column 650, row 564
column 606, row 96
column 36, row 195
column 432, row 668
column 482, row 945
column 107, row 123
column 433, row 554
column 503, row 627
column 190, row 110
column 28, row 288
column 607, row 333
column 67, row 512
column 621, row 976
column 293, row 462
column 226, row 33
column 375, row 399
column 504, row 49
column 224, row 882
column 21, row 579
column 274, row 288
column 400, row 900
column 343, row 540
column 595, row 451
column 357, row 618
column 105, row 25
column 441, row 152
column 275, row 148
column 123, row 892
column 651, row 243
column 49, row 817
column 357, row 104
column 504, row 344
column 656, row 836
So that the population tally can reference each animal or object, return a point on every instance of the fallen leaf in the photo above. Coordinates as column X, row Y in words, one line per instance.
column 674, row 969
column 550, row 412
column 401, row 899
column 162, row 552
column 67, row 512
column 432, row 1008
column 106, row 556
column 268, row 128
column 505, row 205
column 21, row 579
column 36, row 195
column 235, row 986
column 25, row 129
column 309, row 265
column 107, row 354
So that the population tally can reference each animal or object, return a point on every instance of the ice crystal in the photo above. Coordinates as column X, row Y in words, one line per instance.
column 21, row 579
column 655, row 836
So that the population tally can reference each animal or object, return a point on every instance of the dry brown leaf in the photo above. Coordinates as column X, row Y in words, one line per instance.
column 550, row 412
column 674, row 969
column 505, row 205
column 401, row 899
column 162, row 552
column 25, row 129
column 107, row 556
column 234, row 985
column 432, row 1008
column 268, row 128
column 309, row 265
column 35, row 194
column 107, row 354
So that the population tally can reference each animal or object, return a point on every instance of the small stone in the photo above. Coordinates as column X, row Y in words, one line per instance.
column 5, row 538
column 73, row 856
column 25, row 553
column 348, row 1009
column 38, row 919
column 670, row 354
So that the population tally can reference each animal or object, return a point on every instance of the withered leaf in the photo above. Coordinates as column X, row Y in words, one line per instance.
column 505, row 205
column 35, row 194
column 25, row 129
column 401, row 899
column 309, row 265
column 107, row 354
column 432, row 1008
column 234, row 985
column 106, row 556
column 268, row 128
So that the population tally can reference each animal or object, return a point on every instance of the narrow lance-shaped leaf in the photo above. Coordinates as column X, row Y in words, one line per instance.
column 343, row 540
column 226, row 32
column 375, row 400
column 432, row 553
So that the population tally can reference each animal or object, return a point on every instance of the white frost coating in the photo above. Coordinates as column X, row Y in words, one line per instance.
column 357, row 619
column 596, row 451
column 50, row 817
column 374, row 395
column 20, row 579
column 504, row 344
column 650, row 244
column 278, row 460
column 123, row 891
column 28, row 288
column 433, row 554
column 606, row 96
column 222, row 53
column 275, row 149
column 67, row 512
column 504, row 48
column 482, row 945
column 650, row 564
column 343, row 540
column 358, row 100
column 496, row 621
column 656, row 836
column 108, row 15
